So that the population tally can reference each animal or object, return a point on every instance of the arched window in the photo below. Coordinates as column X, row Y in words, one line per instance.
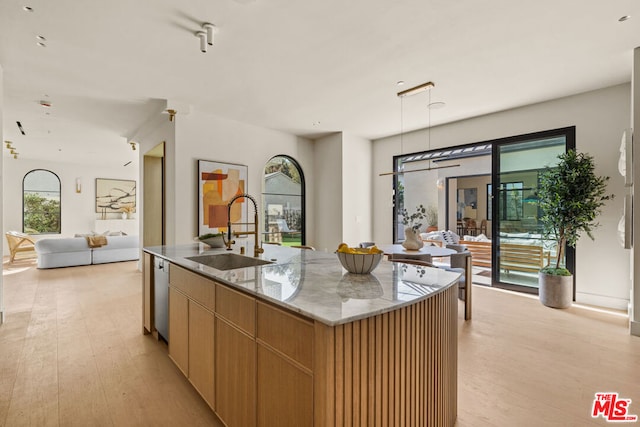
column 283, row 202
column 41, row 202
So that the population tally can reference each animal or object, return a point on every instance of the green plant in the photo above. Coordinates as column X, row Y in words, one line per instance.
column 413, row 219
column 431, row 215
column 571, row 197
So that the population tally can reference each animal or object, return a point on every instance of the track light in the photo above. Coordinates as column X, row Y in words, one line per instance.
column 210, row 29
column 203, row 40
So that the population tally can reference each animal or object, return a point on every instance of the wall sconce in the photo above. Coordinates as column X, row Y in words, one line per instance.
column 78, row 185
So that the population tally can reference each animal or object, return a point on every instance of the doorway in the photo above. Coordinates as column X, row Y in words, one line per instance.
column 491, row 198
column 153, row 200
column 520, row 248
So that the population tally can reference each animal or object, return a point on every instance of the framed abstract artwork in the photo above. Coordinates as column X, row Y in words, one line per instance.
column 115, row 195
column 218, row 183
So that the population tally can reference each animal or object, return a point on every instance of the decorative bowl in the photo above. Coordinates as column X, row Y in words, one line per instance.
column 214, row 242
column 359, row 263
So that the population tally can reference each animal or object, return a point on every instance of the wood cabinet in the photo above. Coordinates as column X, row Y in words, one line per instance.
column 147, row 293
column 285, row 376
column 235, row 375
column 192, row 329
column 179, row 329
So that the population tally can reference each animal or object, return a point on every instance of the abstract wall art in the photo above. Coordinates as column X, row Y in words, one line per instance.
column 112, row 195
column 218, row 183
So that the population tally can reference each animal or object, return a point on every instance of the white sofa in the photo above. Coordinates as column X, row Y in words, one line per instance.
column 72, row 251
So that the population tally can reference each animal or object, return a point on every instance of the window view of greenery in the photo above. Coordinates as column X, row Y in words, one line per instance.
column 282, row 202
column 41, row 202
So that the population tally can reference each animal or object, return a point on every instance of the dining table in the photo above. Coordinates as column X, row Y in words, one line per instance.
column 434, row 251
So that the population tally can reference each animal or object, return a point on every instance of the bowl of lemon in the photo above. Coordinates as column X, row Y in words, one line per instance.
column 359, row 260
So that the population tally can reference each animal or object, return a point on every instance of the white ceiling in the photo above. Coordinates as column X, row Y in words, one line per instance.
column 304, row 67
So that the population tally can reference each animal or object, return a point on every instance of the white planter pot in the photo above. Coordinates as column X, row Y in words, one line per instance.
column 412, row 240
column 555, row 291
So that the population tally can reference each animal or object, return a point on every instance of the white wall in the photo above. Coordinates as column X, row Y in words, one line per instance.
column 78, row 209
column 357, row 201
column 602, row 273
column 208, row 137
column 328, row 190
column 156, row 130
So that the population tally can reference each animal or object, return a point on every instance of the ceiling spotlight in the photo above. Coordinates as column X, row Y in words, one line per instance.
column 203, row 40
column 172, row 114
column 210, row 29
column 8, row 144
column 45, row 104
column 133, row 145
column 13, row 151
column 15, row 156
column 27, row 9
column 624, row 18
column 41, row 38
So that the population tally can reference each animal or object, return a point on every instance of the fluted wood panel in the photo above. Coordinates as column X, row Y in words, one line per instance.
column 395, row 369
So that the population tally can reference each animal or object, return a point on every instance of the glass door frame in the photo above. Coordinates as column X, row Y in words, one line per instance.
column 570, row 143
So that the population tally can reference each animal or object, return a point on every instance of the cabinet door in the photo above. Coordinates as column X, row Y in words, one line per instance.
column 285, row 391
column 147, row 297
column 179, row 330
column 235, row 376
column 201, row 346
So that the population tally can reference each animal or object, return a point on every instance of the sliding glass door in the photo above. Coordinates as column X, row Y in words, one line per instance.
column 520, row 249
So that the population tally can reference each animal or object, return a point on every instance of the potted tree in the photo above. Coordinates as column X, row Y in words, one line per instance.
column 431, row 215
column 571, row 197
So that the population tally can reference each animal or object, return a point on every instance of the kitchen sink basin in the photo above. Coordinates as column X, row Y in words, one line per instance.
column 228, row 261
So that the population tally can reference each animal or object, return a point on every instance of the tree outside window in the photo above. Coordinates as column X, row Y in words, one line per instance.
column 41, row 202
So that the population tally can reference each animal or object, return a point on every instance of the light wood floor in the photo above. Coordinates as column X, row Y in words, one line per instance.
column 72, row 353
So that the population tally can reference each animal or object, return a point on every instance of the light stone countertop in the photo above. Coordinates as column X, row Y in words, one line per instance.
column 314, row 283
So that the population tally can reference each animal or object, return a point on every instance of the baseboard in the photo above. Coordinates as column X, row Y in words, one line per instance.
column 634, row 328
column 602, row 301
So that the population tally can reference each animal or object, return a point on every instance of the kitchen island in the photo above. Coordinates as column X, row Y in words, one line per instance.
column 299, row 341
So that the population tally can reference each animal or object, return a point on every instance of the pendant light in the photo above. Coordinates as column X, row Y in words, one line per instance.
column 410, row 92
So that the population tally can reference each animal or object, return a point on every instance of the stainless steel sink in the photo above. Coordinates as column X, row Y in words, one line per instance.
column 228, row 261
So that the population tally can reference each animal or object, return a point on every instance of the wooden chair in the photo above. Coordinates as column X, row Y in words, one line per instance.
column 19, row 242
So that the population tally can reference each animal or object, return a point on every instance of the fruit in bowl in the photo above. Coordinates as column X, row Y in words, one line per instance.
column 359, row 260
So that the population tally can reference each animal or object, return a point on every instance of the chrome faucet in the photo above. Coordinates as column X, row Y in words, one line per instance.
column 257, row 250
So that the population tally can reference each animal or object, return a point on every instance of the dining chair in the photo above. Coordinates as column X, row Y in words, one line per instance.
column 456, row 247
column 461, row 262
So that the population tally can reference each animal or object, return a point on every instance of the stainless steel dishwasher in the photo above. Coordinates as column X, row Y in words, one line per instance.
column 161, row 296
